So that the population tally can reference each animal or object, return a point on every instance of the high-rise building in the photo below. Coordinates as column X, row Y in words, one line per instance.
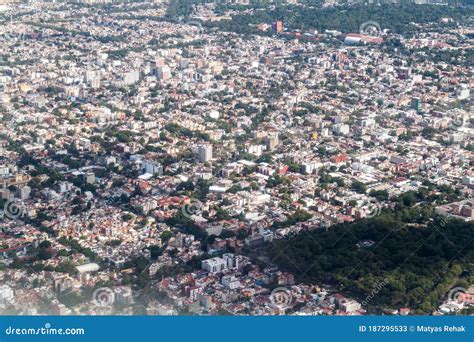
column 277, row 26
column 163, row 73
column 205, row 153
column 92, row 78
column 415, row 103
column 273, row 141
column 463, row 92
column 153, row 168
column 214, row 265
column 6, row 294
column 90, row 178
column 24, row 192
column 155, row 65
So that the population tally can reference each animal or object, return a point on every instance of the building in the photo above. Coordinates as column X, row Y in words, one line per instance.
column 123, row 295
column 341, row 129
column 228, row 261
column 163, row 73
column 90, row 178
column 272, row 141
column 361, row 39
column 415, row 103
column 131, row 77
column 214, row 265
column 461, row 210
column 464, row 92
column 277, row 26
column 83, row 270
column 153, row 168
column 231, row 282
column 349, row 305
column 64, row 186
column 6, row 295
column 24, row 192
column 205, row 153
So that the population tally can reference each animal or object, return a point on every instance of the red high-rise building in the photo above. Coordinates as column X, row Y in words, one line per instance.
column 277, row 26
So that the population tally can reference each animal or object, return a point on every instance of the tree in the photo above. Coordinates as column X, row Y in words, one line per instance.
column 44, row 254
column 155, row 251
column 428, row 132
column 421, row 283
column 381, row 195
column 359, row 187
column 165, row 236
column 45, row 244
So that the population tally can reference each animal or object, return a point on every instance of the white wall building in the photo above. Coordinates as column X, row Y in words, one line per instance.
column 6, row 295
column 204, row 153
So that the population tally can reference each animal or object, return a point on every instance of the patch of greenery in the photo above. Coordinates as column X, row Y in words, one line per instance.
column 418, row 263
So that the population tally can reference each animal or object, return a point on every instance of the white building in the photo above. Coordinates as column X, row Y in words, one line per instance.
column 227, row 262
column 204, row 153
column 163, row 73
column 6, row 295
column 131, row 77
column 153, row 168
column 341, row 129
column 231, row 282
column 214, row 265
